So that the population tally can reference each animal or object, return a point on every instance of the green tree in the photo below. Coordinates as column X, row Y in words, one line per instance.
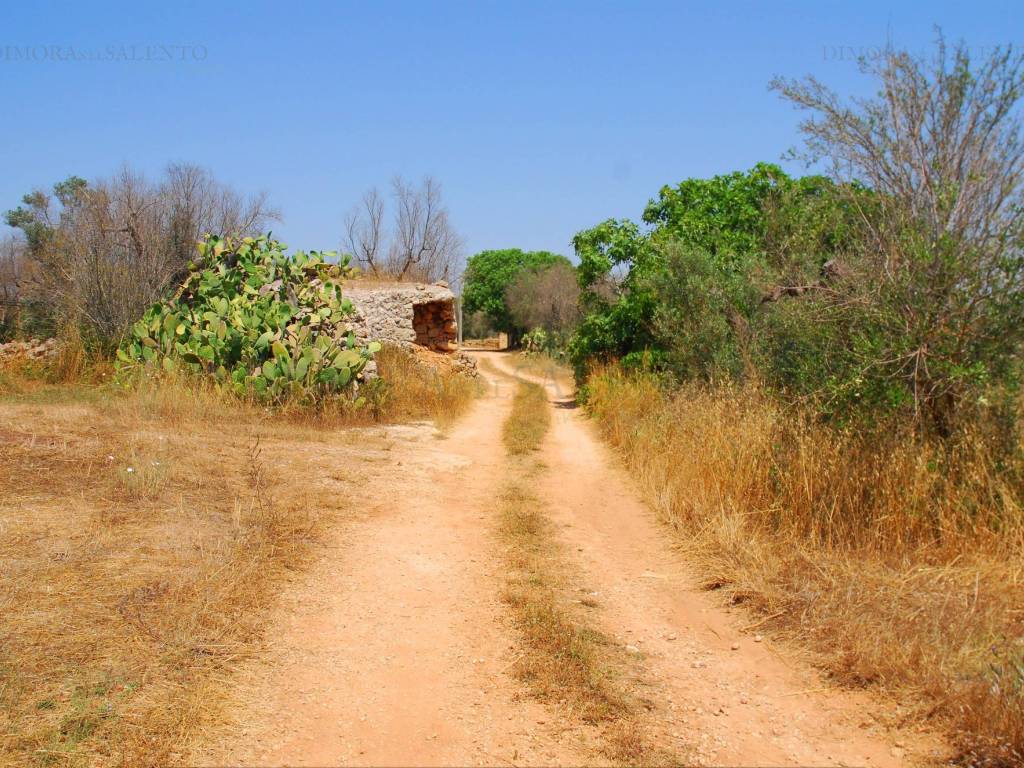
column 616, row 260
column 934, row 311
column 693, row 271
column 489, row 275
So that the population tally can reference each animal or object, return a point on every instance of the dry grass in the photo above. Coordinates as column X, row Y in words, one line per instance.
column 526, row 426
column 562, row 658
column 412, row 389
column 547, row 368
column 898, row 565
column 143, row 534
column 407, row 389
column 137, row 552
column 492, row 342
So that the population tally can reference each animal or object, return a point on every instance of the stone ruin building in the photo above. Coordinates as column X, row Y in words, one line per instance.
column 416, row 316
column 404, row 314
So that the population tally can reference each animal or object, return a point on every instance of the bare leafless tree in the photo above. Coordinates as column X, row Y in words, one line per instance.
column 12, row 266
column 101, row 253
column 199, row 204
column 364, row 231
column 943, row 145
column 11, row 255
column 422, row 243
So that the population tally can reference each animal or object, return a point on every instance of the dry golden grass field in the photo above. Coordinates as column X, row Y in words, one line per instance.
column 143, row 533
column 897, row 577
column 146, row 532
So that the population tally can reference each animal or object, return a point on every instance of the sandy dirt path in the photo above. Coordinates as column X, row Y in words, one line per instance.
column 719, row 696
column 394, row 649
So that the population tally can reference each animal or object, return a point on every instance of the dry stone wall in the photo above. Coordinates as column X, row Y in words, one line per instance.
column 435, row 326
column 404, row 314
column 33, row 349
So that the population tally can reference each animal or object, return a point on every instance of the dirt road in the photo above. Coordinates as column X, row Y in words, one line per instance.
column 394, row 649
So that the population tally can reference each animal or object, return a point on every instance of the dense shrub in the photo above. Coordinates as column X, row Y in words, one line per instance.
column 683, row 290
column 489, row 275
column 879, row 294
column 257, row 320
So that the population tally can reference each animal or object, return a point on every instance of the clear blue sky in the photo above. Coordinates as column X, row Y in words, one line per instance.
column 539, row 119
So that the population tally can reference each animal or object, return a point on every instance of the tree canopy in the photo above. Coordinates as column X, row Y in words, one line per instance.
column 758, row 226
column 891, row 286
column 489, row 275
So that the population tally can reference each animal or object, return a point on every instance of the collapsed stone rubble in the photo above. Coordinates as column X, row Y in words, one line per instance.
column 33, row 349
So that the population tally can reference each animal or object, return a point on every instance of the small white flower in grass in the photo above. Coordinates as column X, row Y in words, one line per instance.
column 130, row 470
column 110, row 458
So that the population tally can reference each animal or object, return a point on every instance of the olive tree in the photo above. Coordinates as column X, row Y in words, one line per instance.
column 545, row 297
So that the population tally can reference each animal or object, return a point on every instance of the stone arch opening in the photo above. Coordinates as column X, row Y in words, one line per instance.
column 434, row 324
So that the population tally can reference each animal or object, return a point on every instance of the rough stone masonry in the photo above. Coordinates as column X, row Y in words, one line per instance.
column 404, row 314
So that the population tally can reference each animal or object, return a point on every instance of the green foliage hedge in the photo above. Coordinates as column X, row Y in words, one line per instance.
column 762, row 276
column 695, row 270
column 490, row 273
column 257, row 320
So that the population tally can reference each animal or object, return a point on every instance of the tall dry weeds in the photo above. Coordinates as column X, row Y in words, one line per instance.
column 411, row 389
column 900, row 564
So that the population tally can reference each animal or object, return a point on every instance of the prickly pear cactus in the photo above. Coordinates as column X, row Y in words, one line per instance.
column 259, row 321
